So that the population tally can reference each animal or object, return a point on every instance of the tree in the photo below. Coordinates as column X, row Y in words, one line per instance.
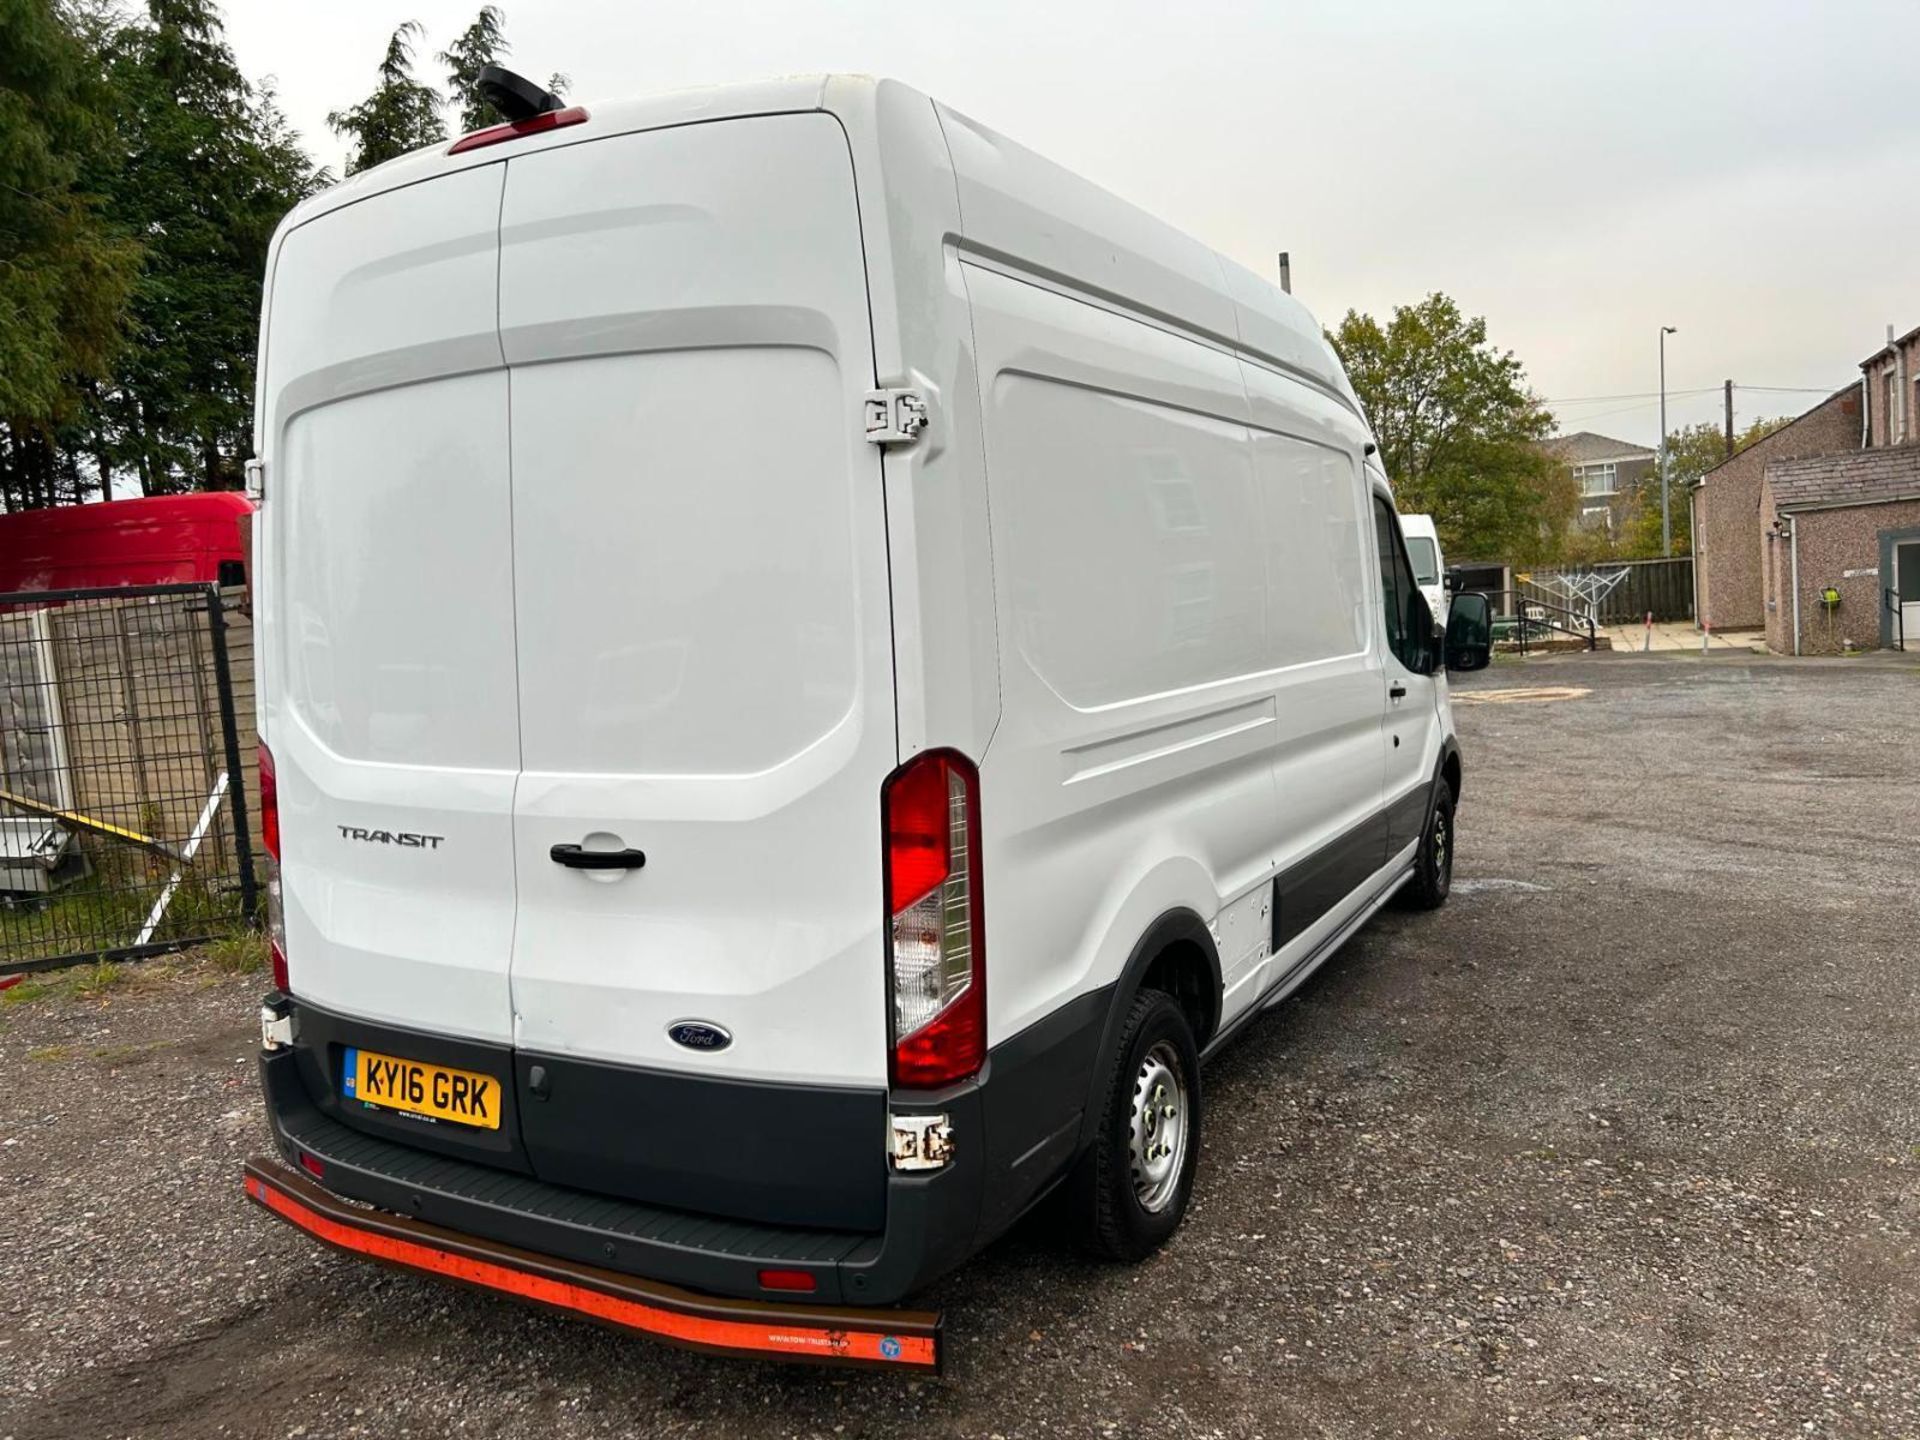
column 482, row 43
column 66, row 271
column 401, row 114
column 1691, row 452
column 207, row 167
column 1458, row 429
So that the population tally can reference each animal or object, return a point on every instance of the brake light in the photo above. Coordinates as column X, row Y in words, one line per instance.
column 930, row 808
column 270, row 839
column 515, row 129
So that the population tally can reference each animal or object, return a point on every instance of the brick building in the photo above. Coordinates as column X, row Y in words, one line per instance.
column 1814, row 532
column 1729, row 548
column 1849, row 527
column 1607, row 473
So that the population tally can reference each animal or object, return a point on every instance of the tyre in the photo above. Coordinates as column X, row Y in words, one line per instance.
column 1134, row 1185
column 1433, row 864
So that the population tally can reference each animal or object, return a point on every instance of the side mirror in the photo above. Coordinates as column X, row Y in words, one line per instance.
column 1450, row 582
column 1469, row 632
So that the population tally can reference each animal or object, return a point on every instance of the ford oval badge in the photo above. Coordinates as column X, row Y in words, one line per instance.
column 698, row 1035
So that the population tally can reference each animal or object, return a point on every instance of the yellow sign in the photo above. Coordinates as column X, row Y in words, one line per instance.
column 434, row 1092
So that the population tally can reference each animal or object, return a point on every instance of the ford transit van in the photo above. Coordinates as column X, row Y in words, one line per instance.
column 1429, row 565
column 813, row 665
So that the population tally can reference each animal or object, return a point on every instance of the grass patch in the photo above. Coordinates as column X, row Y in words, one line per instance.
column 47, row 1054
column 25, row 993
column 242, row 954
column 91, row 981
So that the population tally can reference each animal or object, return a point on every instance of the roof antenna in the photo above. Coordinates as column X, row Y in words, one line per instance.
column 514, row 96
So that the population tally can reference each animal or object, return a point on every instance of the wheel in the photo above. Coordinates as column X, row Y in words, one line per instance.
column 1133, row 1186
column 1433, row 865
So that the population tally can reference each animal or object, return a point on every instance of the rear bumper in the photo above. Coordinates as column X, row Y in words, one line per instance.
column 809, row 1333
column 931, row 1220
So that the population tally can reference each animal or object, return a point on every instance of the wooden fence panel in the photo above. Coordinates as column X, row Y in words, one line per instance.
column 1664, row 587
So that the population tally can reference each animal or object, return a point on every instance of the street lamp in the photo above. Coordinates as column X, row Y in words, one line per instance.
column 1666, row 512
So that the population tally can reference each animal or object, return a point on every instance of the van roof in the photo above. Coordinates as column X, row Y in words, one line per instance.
column 1030, row 205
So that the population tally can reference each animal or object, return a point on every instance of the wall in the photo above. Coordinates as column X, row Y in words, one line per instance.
column 1729, row 547
column 1901, row 361
column 1833, row 542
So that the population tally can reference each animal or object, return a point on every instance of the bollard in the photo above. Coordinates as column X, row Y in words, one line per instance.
column 1706, row 635
column 1646, row 645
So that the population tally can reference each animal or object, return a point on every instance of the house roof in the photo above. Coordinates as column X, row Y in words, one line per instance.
column 1888, row 349
column 1845, row 393
column 1584, row 447
column 1856, row 477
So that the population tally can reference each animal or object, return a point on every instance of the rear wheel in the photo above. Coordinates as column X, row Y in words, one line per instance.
column 1135, row 1184
column 1433, row 865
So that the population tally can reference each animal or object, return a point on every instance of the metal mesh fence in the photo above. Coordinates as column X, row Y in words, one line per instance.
column 125, row 740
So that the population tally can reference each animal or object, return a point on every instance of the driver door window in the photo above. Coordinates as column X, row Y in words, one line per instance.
column 1397, row 590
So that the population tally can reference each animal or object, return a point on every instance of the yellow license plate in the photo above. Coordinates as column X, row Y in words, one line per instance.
column 433, row 1092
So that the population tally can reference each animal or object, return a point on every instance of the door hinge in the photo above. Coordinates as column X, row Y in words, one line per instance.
column 256, row 473
column 895, row 417
column 920, row 1142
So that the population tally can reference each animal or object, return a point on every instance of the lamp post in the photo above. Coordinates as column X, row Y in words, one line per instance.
column 1666, row 512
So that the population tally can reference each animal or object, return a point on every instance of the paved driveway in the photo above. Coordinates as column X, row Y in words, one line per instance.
column 1625, row 1141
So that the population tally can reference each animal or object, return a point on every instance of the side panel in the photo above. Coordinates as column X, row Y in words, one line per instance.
column 385, row 610
column 1131, row 772
column 1322, row 634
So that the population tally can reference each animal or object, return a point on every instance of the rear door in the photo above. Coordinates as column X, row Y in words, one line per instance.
column 386, row 609
column 700, row 600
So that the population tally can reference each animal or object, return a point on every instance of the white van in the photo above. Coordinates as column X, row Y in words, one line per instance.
column 812, row 665
column 1429, row 565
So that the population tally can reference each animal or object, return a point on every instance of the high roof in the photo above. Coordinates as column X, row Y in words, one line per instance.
column 1584, row 447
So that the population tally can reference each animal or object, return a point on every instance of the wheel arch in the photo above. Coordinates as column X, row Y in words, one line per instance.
column 1175, row 953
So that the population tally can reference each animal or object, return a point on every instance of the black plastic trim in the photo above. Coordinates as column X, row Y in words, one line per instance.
column 1309, row 888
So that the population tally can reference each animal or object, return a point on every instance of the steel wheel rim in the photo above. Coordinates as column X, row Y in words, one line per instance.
column 1158, row 1129
column 1442, row 848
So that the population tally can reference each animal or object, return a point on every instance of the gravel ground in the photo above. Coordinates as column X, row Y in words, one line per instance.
column 1624, row 1141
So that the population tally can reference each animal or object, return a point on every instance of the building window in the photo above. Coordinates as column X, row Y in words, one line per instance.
column 1597, row 479
column 1596, row 517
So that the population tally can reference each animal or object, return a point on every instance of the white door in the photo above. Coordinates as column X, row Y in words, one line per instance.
column 1906, row 571
column 385, row 607
column 700, row 600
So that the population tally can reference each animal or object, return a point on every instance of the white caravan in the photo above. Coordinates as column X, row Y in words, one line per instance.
column 812, row 665
column 1429, row 565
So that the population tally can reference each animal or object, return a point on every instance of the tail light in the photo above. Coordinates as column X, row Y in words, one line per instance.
column 270, row 838
column 931, row 809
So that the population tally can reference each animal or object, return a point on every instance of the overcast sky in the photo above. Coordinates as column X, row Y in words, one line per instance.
column 1579, row 173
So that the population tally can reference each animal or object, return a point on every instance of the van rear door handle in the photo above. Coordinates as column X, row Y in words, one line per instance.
column 576, row 858
column 1396, row 690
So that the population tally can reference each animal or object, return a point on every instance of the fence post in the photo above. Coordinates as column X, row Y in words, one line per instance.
column 230, row 734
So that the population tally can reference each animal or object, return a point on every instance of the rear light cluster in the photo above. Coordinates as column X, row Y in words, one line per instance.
column 516, row 129
column 270, row 838
column 931, row 809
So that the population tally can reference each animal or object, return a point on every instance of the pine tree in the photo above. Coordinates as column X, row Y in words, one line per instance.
column 401, row 114
column 66, row 271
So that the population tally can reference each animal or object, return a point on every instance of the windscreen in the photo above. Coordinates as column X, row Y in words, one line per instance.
column 1426, row 559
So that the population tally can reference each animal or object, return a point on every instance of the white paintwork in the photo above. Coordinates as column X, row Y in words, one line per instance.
column 1420, row 527
column 574, row 536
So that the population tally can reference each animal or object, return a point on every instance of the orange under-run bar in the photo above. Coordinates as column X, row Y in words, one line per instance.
column 889, row 1339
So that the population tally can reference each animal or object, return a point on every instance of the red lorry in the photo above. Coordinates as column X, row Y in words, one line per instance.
column 161, row 540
